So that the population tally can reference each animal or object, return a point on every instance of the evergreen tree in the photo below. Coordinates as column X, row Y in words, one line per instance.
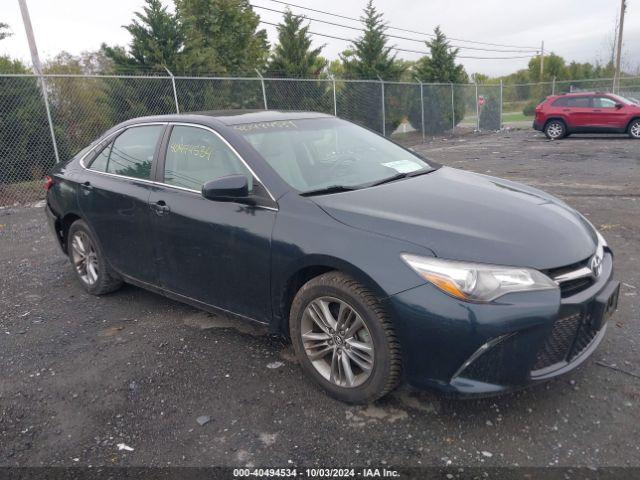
column 156, row 41
column 293, row 56
column 4, row 31
column 440, row 66
column 369, row 56
column 221, row 37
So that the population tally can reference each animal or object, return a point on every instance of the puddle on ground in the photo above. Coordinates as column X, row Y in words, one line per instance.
column 208, row 321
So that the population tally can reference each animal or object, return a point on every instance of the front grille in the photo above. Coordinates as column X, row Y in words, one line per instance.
column 571, row 287
column 568, row 338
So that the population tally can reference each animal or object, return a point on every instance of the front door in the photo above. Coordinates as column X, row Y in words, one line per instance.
column 214, row 252
column 114, row 200
column 606, row 115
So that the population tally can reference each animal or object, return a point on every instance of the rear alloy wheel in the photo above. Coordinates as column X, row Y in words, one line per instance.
column 344, row 339
column 634, row 129
column 89, row 264
column 555, row 130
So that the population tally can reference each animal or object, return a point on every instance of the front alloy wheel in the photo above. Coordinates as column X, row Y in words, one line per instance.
column 634, row 129
column 337, row 342
column 555, row 130
column 344, row 338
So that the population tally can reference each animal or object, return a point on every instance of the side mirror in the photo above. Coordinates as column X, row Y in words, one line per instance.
column 619, row 106
column 229, row 188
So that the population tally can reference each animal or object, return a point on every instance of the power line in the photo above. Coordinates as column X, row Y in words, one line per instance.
column 396, row 36
column 422, row 52
column 400, row 29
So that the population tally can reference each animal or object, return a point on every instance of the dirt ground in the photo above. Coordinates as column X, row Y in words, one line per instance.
column 81, row 375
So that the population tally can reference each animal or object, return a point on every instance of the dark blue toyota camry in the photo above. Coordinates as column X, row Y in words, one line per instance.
column 378, row 264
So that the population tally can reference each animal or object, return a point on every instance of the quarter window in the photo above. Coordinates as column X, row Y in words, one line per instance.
column 603, row 102
column 195, row 156
column 131, row 153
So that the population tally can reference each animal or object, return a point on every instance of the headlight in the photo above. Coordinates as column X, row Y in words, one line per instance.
column 477, row 282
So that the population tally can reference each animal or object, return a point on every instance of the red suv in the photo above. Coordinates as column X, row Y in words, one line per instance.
column 562, row 115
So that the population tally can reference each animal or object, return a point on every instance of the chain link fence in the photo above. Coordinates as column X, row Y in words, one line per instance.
column 82, row 107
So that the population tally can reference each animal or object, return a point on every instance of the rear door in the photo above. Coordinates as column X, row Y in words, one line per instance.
column 606, row 114
column 578, row 112
column 214, row 252
column 114, row 199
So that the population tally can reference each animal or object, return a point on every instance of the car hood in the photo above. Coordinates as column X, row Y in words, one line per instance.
column 466, row 216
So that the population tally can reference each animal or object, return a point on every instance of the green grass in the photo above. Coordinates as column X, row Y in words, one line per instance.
column 515, row 117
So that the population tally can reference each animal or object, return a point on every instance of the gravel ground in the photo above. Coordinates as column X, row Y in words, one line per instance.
column 81, row 375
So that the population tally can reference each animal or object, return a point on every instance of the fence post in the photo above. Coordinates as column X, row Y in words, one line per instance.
column 453, row 111
column 477, row 110
column 384, row 113
column 264, row 91
column 45, row 96
column 175, row 92
column 422, row 111
column 501, row 100
column 335, row 102
column 553, row 86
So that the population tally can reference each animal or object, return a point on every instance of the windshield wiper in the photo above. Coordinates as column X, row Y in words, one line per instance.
column 327, row 190
column 400, row 176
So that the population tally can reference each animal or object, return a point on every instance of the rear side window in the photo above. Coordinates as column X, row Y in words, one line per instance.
column 195, row 156
column 579, row 102
column 131, row 153
column 561, row 102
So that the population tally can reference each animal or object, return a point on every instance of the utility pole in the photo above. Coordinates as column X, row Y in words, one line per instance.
column 616, row 82
column 37, row 66
column 542, row 61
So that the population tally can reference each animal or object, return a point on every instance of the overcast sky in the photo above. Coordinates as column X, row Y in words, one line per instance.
column 580, row 30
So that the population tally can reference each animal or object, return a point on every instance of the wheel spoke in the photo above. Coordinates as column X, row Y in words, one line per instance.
column 92, row 271
column 321, row 351
column 334, row 377
column 311, row 336
column 346, row 367
column 354, row 327
column 364, row 347
column 78, row 245
column 316, row 316
column 326, row 314
column 364, row 364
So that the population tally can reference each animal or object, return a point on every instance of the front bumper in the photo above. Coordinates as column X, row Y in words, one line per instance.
column 515, row 341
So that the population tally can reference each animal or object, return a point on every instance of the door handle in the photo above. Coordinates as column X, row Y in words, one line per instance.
column 160, row 207
column 597, row 110
column 566, row 109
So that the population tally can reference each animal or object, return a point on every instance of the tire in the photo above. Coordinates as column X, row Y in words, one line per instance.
column 374, row 372
column 634, row 129
column 555, row 130
column 91, row 267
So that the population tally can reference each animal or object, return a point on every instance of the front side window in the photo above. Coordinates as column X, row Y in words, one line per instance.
column 603, row 102
column 195, row 156
column 131, row 153
column 313, row 154
column 578, row 102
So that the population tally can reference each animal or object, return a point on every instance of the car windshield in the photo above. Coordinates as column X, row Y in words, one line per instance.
column 329, row 154
column 626, row 101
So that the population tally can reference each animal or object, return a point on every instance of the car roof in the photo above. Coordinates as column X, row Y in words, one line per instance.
column 231, row 117
column 582, row 94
